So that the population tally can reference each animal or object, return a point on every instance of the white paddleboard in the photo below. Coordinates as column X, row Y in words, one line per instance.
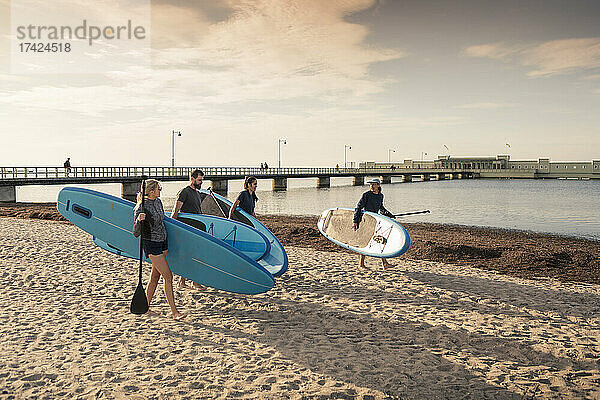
column 377, row 235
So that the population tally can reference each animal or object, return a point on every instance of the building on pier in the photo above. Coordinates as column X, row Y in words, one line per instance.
column 540, row 167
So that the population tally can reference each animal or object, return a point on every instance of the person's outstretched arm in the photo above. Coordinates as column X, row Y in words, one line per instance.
column 176, row 208
column 358, row 211
column 385, row 212
column 181, row 198
column 233, row 208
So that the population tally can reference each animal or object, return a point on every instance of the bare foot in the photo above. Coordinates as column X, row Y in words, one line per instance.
column 179, row 316
column 154, row 313
column 362, row 266
column 198, row 286
column 387, row 265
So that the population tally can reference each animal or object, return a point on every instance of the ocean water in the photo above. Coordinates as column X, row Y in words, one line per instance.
column 564, row 207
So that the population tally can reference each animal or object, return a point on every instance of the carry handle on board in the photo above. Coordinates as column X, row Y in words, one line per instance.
column 139, row 303
column 412, row 213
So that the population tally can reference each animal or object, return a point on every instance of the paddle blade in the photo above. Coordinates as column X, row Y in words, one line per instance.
column 139, row 303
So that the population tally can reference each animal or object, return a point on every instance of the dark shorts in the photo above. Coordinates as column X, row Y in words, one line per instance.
column 154, row 248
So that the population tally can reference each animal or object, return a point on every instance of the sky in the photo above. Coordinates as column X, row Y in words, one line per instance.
column 399, row 79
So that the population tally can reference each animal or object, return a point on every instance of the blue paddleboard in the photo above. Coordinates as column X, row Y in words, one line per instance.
column 192, row 253
column 236, row 234
column 276, row 260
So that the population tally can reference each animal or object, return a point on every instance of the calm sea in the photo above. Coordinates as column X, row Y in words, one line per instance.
column 565, row 207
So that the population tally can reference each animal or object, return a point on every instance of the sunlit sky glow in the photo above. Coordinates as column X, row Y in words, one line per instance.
column 234, row 76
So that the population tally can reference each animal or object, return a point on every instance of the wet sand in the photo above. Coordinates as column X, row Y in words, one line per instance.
column 423, row 329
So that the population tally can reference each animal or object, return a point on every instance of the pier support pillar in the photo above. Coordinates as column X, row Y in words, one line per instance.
column 323, row 181
column 129, row 190
column 8, row 194
column 386, row 179
column 358, row 181
column 406, row 178
column 425, row 177
column 219, row 186
column 441, row 177
column 279, row 184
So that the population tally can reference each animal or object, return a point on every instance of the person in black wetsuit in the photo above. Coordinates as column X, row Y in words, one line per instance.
column 372, row 201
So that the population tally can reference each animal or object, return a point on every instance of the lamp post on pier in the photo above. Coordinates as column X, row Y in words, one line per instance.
column 346, row 147
column 279, row 152
column 173, row 132
column 390, row 151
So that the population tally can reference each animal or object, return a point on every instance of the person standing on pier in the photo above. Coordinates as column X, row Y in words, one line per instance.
column 190, row 201
column 67, row 166
column 372, row 201
column 246, row 200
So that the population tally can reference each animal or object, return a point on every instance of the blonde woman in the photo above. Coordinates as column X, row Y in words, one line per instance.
column 154, row 239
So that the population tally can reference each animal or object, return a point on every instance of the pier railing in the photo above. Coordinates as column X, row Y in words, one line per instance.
column 50, row 175
column 123, row 172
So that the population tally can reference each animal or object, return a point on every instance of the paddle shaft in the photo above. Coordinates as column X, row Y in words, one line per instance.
column 412, row 213
column 142, row 235
column 139, row 303
column 216, row 201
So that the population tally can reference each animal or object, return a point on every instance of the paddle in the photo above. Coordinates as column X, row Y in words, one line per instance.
column 215, row 199
column 412, row 213
column 139, row 303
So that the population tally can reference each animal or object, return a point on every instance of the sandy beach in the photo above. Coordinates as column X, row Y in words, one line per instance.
column 327, row 330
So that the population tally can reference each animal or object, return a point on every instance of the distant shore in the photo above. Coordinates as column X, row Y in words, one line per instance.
column 515, row 253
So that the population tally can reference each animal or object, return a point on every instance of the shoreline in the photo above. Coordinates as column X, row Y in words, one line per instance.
column 522, row 254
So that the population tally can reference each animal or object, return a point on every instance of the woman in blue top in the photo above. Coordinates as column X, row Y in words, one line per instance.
column 246, row 200
column 371, row 201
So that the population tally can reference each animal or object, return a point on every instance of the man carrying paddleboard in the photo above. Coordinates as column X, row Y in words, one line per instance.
column 372, row 201
column 189, row 201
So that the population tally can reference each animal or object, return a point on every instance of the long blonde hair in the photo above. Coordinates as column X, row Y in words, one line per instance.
column 151, row 184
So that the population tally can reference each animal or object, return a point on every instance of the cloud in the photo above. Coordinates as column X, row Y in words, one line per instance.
column 563, row 56
column 273, row 49
column 546, row 59
column 265, row 50
column 190, row 29
column 485, row 106
column 496, row 51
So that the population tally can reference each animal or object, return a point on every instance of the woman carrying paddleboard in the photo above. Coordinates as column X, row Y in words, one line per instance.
column 372, row 201
column 154, row 236
column 246, row 200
